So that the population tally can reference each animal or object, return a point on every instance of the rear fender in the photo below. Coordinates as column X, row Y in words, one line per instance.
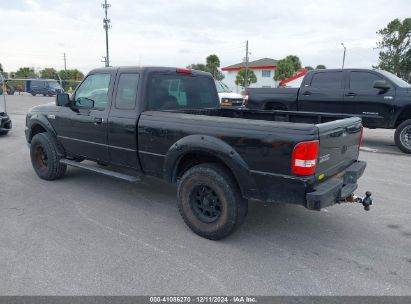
column 214, row 147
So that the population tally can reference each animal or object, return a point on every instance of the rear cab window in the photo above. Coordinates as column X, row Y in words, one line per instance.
column 179, row 91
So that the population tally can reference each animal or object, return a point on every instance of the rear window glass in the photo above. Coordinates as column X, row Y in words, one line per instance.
column 327, row 80
column 173, row 91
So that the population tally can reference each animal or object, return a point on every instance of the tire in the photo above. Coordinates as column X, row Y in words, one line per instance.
column 11, row 91
column 4, row 132
column 402, row 136
column 44, row 95
column 33, row 93
column 210, row 201
column 44, row 157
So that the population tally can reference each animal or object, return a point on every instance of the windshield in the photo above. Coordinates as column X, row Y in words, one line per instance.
column 396, row 80
column 54, row 85
column 222, row 87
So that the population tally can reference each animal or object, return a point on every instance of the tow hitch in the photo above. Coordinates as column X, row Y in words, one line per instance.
column 365, row 201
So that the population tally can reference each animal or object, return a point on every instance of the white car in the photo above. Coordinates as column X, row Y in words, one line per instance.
column 227, row 97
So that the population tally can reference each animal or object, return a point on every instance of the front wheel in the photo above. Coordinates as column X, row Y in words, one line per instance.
column 210, row 201
column 45, row 158
column 4, row 132
column 402, row 136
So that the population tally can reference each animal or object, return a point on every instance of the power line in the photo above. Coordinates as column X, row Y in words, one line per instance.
column 107, row 26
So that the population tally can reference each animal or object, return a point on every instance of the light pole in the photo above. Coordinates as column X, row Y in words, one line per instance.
column 345, row 49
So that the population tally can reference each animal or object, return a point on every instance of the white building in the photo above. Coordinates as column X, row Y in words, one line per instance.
column 263, row 69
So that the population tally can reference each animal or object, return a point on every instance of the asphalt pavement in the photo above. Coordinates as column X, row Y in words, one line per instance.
column 87, row 234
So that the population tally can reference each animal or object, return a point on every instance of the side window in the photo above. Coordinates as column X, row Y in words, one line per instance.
column 266, row 73
column 127, row 91
column 93, row 92
column 327, row 80
column 363, row 80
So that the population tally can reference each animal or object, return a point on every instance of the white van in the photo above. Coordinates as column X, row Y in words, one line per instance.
column 227, row 97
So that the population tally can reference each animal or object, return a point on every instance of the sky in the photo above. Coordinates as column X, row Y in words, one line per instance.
column 36, row 33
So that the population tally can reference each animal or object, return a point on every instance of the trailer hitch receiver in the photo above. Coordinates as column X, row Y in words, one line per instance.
column 365, row 201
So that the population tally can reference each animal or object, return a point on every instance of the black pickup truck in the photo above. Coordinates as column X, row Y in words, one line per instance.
column 135, row 118
column 380, row 98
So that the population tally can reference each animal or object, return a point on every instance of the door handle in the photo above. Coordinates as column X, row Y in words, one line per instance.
column 307, row 93
column 98, row 120
column 351, row 94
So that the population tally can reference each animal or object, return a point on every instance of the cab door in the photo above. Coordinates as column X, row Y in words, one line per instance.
column 322, row 92
column 82, row 128
column 122, row 120
column 361, row 98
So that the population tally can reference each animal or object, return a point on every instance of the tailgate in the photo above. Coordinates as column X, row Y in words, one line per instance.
column 339, row 146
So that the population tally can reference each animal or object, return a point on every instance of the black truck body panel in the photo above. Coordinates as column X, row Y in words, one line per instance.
column 256, row 146
column 348, row 91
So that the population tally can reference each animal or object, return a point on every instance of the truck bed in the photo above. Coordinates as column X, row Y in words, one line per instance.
column 274, row 115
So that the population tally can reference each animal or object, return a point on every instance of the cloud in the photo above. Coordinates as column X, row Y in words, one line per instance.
column 178, row 33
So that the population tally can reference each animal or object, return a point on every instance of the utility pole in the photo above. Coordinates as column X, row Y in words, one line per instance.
column 65, row 66
column 106, row 25
column 344, row 54
column 246, row 66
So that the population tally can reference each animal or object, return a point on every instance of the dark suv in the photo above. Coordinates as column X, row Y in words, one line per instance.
column 46, row 87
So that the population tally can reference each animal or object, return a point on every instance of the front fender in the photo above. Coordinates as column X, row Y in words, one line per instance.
column 41, row 120
column 214, row 147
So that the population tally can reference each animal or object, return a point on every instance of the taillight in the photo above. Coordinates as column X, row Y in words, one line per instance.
column 184, row 71
column 305, row 155
column 361, row 132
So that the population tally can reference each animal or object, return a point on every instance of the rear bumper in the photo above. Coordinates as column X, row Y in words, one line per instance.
column 336, row 189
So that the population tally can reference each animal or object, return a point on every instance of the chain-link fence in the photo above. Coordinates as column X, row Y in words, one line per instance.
column 11, row 86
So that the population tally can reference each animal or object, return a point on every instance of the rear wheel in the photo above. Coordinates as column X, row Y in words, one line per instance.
column 210, row 201
column 11, row 90
column 4, row 132
column 44, row 157
column 403, row 136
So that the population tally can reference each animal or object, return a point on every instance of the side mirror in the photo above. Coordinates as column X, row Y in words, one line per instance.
column 62, row 100
column 382, row 85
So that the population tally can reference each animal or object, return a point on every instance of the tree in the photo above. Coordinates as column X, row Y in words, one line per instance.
column 212, row 65
column 26, row 72
column 308, row 68
column 320, row 67
column 198, row 67
column 1, row 68
column 295, row 61
column 71, row 75
column 70, row 78
column 241, row 78
column 49, row 73
column 285, row 69
column 395, row 46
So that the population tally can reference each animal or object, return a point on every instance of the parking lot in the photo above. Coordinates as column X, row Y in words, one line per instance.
column 87, row 234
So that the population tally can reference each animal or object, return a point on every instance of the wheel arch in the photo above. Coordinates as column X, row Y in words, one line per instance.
column 197, row 149
column 404, row 115
column 38, row 124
